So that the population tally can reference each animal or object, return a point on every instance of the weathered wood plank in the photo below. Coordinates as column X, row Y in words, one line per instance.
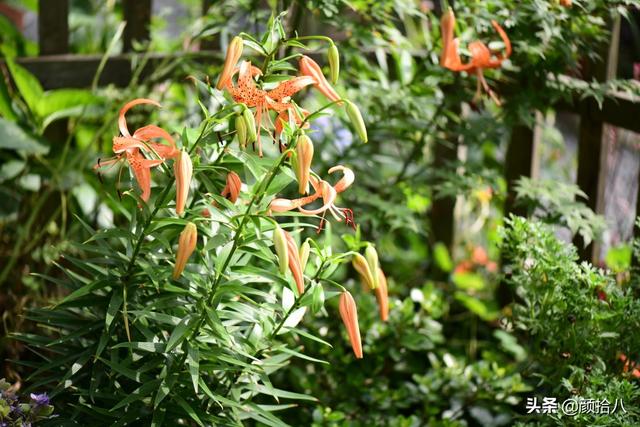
column 77, row 71
column 53, row 26
column 519, row 162
column 137, row 14
column 591, row 140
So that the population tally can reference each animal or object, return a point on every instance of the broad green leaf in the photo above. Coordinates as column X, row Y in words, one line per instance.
column 193, row 361
column 12, row 137
column 179, row 333
column 28, row 86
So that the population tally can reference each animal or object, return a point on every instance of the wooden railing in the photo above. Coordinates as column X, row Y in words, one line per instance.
column 56, row 68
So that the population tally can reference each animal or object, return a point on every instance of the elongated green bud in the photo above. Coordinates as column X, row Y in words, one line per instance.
column 357, row 121
column 304, row 254
column 280, row 243
column 362, row 267
column 241, row 129
column 250, row 121
column 334, row 62
column 371, row 256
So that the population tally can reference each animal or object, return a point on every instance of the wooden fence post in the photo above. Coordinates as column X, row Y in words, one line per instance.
column 137, row 14
column 592, row 143
column 53, row 27
column 519, row 162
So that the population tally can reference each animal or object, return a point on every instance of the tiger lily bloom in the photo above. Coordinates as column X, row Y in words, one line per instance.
column 246, row 91
column 132, row 146
column 382, row 295
column 294, row 262
column 183, row 171
column 232, row 188
column 186, row 246
column 309, row 67
column 481, row 56
column 349, row 315
column 324, row 191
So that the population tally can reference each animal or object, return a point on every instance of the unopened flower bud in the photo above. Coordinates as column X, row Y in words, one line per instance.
column 357, row 121
column 186, row 246
column 250, row 123
column 308, row 67
column 294, row 262
column 241, row 131
column 334, row 62
column 349, row 314
column 362, row 267
column 183, row 169
column 382, row 295
column 371, row 256
column 304, row 157
column 232, row 187
column 234, row 52
column 280, row 243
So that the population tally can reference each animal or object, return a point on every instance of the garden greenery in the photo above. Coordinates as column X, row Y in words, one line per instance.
column 255, row 243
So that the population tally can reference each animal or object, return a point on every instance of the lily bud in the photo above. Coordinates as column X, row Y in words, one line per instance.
column 294, row 262
column 308, row 67
column 232, row 188
column 250, row 123
column 304, row 154
column 234, row 52
column 280, row 243
column 241, row 130
column 186, row 246
column 349, row 314
column 304, row 254
column 382, row 295
column 447, row 28
column 334, row 62
column 183, row 170
column 371, row 256
column 357, row 121
column 362, row 267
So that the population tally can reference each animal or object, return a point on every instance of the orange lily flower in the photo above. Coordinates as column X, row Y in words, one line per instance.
column 133, row 146
column 349, row 314
column 326, row 192
column 382, row 295
column 232, row 188
column 481, row 56
column 629, row 366
column 565, row 3
column 247, row 92
column 294, row 262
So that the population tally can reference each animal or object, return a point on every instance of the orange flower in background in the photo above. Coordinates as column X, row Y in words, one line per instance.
column 349, row 314
column 629, row 366
column 134, row 148
column 565, row 3
column 481, row 56
column 232, row 188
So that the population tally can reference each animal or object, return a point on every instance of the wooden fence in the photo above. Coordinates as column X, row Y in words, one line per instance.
column 56, row 68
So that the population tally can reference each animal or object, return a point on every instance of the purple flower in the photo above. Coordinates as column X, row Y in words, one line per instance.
column 344, row 139
column 40, row 399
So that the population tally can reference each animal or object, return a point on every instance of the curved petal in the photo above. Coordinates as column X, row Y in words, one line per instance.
column 123, row 143
column 122, row 121
column 328, row 198
column 346, row 180
column 505, row 40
